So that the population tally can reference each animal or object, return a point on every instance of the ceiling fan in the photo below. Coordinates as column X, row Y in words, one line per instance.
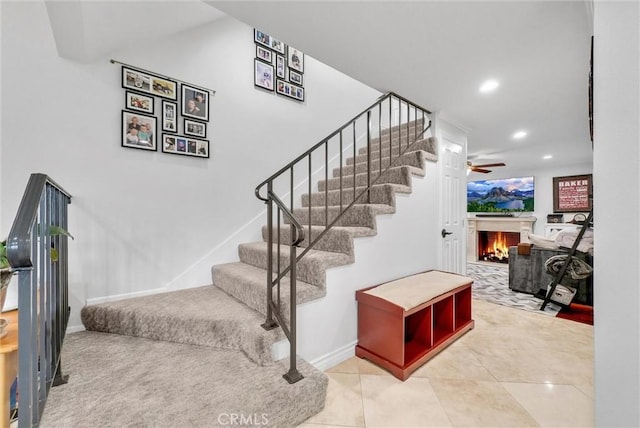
column 481, row 168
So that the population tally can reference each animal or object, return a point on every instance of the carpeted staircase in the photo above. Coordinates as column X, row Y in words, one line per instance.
column 223, row 321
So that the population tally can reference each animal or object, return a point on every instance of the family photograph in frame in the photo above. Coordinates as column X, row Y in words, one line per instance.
column 178, row 145
column 263, row 75
column 262, row 38
column 169, row 116
column 138, row 131
column 264, row 54
column 289, row 90
column 148, row 83
column 195, row 102
column 280, row 67
column 295, row 77
column 138, row 102
column 296, row 59
column 277, row 45
column 195, row 129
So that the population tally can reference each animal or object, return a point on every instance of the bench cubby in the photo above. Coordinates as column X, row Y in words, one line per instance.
column 404, row 323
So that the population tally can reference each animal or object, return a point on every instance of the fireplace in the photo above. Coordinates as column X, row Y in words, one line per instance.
column 494, row 246
column 518, row 229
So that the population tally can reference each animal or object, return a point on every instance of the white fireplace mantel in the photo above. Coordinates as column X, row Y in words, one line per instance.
column 522, row 225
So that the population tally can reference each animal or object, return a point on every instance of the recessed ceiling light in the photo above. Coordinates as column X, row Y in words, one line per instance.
column 547, row 156
column 520, row 134
column 489, row 86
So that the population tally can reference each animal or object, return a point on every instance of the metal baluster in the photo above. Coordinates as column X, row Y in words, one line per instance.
column 340, row 171
column 389, row 133
column 310, row 173
column 278, row 261
column 326, row 181
column 293, row 375
column 269, row 323
column 380, row 137
column 368, row 157
column 354, row 160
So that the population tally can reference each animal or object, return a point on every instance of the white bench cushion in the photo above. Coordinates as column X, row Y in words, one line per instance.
column 414, row 290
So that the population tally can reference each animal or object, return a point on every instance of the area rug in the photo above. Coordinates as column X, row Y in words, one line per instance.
column 491, row 284
column 577, row 312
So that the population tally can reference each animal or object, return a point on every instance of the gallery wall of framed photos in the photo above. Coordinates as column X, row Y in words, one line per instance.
column 178, row 109
column 278, row 67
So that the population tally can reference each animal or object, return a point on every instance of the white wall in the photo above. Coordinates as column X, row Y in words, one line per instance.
column 616, row 176
column 543, row 186
column 406, row 243
column 142, row 220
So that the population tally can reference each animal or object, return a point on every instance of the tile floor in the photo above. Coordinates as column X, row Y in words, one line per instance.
column 514, row 369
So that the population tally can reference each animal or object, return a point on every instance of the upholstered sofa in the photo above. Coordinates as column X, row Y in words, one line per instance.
column 527, row 273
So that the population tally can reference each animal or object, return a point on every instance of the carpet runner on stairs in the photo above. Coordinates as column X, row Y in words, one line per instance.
column 226, row 317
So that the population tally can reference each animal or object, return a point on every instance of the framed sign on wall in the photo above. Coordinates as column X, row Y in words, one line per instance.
column 572, row 193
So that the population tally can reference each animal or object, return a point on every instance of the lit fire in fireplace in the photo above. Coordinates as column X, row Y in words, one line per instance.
column 496, row 248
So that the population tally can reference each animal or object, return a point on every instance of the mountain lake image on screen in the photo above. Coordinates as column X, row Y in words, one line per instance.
column 501, row 195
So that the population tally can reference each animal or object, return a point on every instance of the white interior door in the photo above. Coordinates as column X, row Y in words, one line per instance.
column 453, row 179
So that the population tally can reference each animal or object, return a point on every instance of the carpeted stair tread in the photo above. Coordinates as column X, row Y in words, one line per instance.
column 397, row 174
column 337, row 239
column 414, row 158
column 383, row 193
column 426, row 144
column 311, row 268
column 204, row 316
column 359, row 215
column 248, row 284
column 423, row 145
column 121, row 381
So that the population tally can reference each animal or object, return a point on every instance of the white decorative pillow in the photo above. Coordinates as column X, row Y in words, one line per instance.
column 542, row 242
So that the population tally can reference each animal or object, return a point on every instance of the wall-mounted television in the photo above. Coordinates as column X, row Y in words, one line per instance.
column 501, row 196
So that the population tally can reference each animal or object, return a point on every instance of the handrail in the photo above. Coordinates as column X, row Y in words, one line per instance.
column 19, row 239
column 298, row 227
column 406, row 124
column 43, row 298
column 330, row 136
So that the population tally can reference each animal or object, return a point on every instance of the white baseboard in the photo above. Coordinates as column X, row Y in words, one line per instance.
column 334, row 358
column 75, row 328
column 280, row 350
column 116, row 297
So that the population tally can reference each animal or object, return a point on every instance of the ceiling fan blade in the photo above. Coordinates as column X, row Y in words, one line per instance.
column 484, row 171
column 488, row 165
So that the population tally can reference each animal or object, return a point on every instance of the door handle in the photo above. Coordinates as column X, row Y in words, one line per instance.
column 444, row 233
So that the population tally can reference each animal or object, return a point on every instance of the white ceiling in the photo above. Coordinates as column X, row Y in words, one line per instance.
column 438, row 53
column 435, row 53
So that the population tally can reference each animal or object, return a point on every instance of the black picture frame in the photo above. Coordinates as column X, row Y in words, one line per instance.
column 264, row 54
column 185, row 146
column 281, row 67
column 278, row 45
column 169, row 117
column 573, row 193
column 289, row 90
column 262, row 38
column 263, row 75
column 148, row 83
column 195, row 103
column 295, row 59
column 138, row 102
column 141, row 123
column 295, row 77
column 194, row 128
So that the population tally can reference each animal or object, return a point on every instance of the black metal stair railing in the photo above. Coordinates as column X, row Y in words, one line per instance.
column 391, row 120
column 37, row 250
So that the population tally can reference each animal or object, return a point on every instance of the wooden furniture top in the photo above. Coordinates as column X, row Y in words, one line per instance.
column 9, row 343
column 412, row 291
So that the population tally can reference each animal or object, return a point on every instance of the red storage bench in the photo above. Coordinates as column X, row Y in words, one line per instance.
column 404, row 323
